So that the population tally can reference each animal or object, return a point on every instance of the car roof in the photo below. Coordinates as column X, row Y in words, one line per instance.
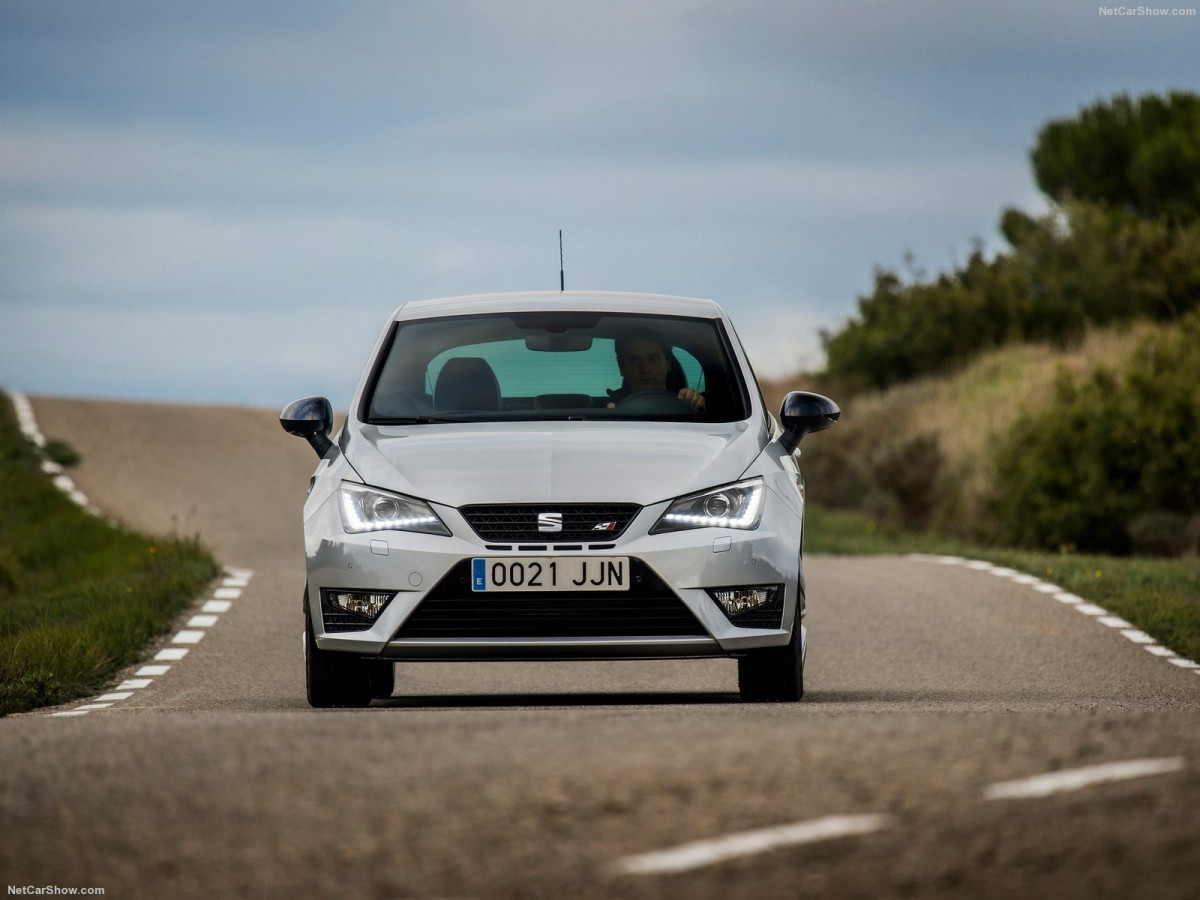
column 548, row 301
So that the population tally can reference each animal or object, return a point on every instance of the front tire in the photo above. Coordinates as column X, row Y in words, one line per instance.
column 774, row 674
column 340, row 679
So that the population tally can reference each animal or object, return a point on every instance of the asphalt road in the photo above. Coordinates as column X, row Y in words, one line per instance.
column 927, row 685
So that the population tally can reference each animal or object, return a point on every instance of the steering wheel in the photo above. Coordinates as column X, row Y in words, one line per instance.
column 656, row 400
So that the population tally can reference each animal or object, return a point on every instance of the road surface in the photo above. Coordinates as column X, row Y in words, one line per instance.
column 929, row 684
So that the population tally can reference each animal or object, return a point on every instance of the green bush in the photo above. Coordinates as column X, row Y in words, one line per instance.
column 1079, row 265
column 895, row 479
column 61, row 452
column 1087, row 471
column 1159, row 533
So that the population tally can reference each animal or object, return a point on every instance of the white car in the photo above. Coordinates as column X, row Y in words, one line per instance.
column 555, row 476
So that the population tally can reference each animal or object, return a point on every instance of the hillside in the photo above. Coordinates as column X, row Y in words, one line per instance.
column 918, row 453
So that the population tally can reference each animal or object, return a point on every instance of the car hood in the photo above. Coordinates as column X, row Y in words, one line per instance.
column 639, row 463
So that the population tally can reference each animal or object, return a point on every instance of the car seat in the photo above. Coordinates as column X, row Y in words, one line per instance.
column 466, row 383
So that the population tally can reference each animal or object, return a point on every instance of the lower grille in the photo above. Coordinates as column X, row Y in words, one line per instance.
column 338, row 621
column 649, row 609
column 769, row 615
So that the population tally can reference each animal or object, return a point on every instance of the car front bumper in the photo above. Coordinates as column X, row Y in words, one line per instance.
column 417, row 568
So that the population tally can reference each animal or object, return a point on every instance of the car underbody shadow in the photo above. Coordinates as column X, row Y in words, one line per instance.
column 566, row 699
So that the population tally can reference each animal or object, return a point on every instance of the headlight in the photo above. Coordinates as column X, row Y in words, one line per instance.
column 734, row 506
column 370, row 509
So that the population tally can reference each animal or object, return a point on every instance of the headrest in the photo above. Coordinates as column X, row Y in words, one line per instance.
column 466, row 383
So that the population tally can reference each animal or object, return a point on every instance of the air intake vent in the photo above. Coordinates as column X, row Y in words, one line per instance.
column 649, row 609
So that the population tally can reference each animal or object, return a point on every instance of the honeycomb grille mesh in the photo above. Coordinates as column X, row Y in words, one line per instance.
column 580, row 521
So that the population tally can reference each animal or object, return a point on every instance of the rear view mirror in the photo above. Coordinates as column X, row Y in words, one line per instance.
column 565, row 342
column 311, row 419
column 803, row 413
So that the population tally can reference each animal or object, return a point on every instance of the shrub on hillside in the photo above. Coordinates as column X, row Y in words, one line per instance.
column 1079, row 265
column 1086, row 471
column 896, row 480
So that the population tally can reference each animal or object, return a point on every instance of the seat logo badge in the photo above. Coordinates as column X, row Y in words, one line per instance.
column 549, row 522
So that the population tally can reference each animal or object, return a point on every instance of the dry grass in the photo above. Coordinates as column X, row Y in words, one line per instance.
column 966, row 410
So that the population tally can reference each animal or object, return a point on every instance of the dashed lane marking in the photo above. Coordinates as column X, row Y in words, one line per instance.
column 698, row 854
column 1079, row 604
column 195, row 630
column 710, row 852
column 232, row 585
column 1076, row 779
column 29, row 427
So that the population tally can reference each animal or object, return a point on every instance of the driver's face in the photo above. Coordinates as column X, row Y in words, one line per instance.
column 644, row 365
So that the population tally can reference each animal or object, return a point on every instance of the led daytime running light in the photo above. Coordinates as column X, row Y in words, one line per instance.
column 365, row 509
column 741, row 506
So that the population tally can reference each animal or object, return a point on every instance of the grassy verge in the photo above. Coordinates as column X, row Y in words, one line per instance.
column 79, row 597
column 1159, row 596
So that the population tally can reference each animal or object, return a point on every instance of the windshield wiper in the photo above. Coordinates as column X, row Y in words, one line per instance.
column 413, row 420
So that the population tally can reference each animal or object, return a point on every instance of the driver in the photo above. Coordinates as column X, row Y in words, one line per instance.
column 645, row 363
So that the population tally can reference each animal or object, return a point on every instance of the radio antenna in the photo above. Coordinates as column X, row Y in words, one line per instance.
column 562, row 279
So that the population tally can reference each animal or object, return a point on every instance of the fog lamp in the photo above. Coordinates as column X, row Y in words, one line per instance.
column 368, row 604
column 743, row 599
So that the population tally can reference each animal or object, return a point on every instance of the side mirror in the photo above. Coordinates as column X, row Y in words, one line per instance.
column 804, row 413
column 311, row 419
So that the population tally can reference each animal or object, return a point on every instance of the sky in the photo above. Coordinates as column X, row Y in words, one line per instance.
column 223, row 202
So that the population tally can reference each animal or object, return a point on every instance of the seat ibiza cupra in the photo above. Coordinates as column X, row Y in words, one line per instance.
column 553, row 476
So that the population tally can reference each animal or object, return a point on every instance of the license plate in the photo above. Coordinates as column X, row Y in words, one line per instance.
column 550, row 573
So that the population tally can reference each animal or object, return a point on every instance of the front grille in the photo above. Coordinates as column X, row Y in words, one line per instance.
column 648, row 609
column 580, row 521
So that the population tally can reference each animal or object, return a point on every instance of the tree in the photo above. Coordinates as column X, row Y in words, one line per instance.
column 1141, row 157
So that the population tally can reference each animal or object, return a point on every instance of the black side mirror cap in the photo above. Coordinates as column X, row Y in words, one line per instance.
column 311, row 419
column 803, row 413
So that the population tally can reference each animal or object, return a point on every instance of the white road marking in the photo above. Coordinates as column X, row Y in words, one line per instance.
column 227, row 593
column 1076, row 779
column 27, row 422
column 1159, row 651
column 1138, row 637
column 706, row 853
column 1099, row 613
column 192, row 634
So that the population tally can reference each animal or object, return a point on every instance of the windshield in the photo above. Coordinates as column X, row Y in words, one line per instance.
column 555, row 365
